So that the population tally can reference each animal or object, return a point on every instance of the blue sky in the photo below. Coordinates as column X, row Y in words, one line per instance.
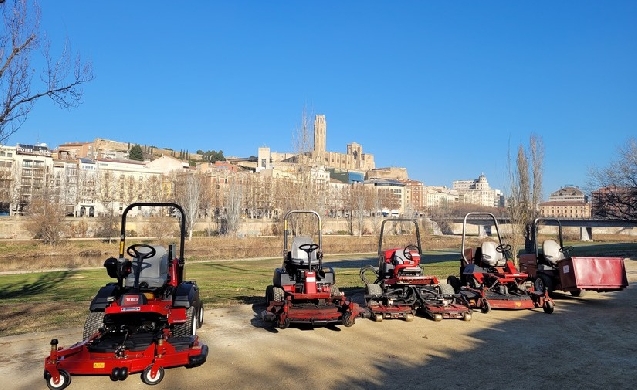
column 443, row 88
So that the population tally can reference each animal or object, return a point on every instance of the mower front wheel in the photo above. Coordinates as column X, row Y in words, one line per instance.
column 548, row 307
column 149, row 379
column 65, row 380
column 348, row 320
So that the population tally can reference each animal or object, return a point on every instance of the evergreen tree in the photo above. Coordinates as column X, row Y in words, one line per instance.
column 136, row 153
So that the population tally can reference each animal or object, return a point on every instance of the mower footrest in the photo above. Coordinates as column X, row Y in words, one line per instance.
column 181, row 343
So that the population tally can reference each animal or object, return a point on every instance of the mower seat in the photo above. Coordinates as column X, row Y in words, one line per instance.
column 154, row 271
column 490, row 255
column 404, row 265
column 552, row 252
column 299, row 257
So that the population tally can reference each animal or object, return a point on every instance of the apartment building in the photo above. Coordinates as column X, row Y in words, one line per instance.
column 478, row 192
column 7, row 178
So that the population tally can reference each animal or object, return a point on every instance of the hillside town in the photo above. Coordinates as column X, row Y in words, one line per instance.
column 99, row 177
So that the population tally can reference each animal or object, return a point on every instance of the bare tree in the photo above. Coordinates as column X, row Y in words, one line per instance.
column 61, row 78
column 233, row 208
column 188, row 193
column 614, row 188
column 525, row 191
column 360, row 202
column 107, row 194
column 45, row 214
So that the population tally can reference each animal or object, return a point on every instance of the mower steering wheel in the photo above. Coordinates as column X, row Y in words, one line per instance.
column 135, row 253
column 502, row 248
column 309, row 248
column 408, row 249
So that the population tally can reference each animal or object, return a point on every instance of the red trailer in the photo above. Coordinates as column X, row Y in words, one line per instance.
column 552, row 267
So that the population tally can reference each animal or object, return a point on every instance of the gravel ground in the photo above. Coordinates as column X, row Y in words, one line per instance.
column 587, row 343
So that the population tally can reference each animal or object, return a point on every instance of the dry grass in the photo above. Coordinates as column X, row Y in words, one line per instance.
column 32, row 255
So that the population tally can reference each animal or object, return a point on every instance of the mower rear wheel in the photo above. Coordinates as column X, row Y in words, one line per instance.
column 269, row 294
column 150, row 379
column 200, row 315
column 94, row 321
column 278, row 294
column 334, row 291
column 188, row 328
column 543, row 282
column 577, row 293
column 486, row 307
column 65, row 380
column 446, row 290
column 454, row 281
column 374, row 290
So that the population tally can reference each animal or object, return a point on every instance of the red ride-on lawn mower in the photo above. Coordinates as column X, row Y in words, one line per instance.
column 303, row 290
column 554, row 268
column 401, row 288
column 146, row 322
column 489, row 278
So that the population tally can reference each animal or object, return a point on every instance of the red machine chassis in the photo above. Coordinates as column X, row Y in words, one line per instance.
column 78, row 359
column 302, row 310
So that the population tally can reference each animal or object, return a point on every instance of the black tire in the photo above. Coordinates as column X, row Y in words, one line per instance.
column 348, row 319
column 269, row 294
column 486, row 307
column 543, row 282
column 149, row 380
column 334, row 291
column 94, row 321
column 549, row 307
column 454, row 281
column 577, row 293
column 278, row 295
column 373, row 290
column 446, row 290
column 65, row 380
column 284, row 324
column 188, row 328
column 200, row 315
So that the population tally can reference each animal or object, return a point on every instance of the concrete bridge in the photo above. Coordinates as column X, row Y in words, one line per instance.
column 586, row 226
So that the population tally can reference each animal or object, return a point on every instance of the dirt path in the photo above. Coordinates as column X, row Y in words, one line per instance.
column 588, row 342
